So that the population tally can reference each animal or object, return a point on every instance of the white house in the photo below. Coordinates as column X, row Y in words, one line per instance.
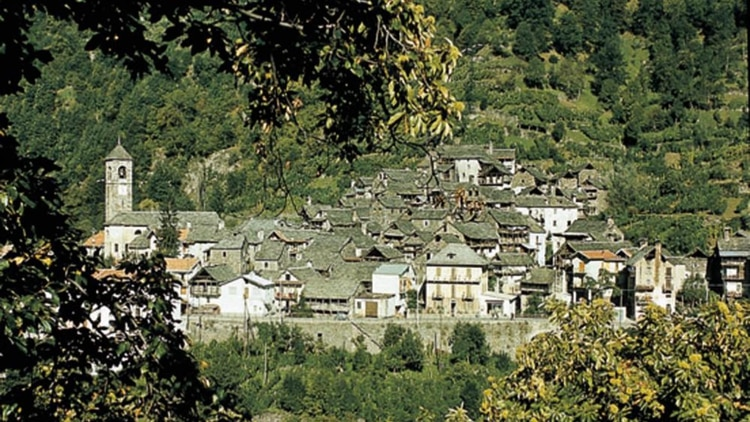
column 554, row 213
column 394, row 279
column 248, row 294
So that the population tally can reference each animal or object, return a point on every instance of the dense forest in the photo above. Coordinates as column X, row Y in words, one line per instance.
column 652, row 92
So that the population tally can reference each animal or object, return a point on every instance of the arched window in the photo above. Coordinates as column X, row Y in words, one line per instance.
column 122, row 172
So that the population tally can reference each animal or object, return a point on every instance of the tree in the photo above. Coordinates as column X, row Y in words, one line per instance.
column 535, row 74
column 468, row 344
column 402, row 349
column 374, row 65
column 168, row 235
column 60, row 360
column 665, row 368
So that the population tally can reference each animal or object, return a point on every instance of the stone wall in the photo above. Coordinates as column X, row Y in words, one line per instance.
column 502, row 334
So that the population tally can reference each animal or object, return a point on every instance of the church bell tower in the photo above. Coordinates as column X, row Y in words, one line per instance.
column 118, row 176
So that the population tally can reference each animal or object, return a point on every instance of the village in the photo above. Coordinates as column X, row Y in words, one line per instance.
column 471, row 232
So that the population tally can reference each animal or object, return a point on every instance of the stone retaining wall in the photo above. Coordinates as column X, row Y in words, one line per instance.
column 502, row 334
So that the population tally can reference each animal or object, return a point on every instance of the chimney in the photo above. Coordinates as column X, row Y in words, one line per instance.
column 642, row 243
column 490, row 149
column 727, row 232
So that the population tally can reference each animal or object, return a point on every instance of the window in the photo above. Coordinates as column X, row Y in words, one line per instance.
column 122, row 172
column 287, row 277
column 117, row 248
column 223, row 254
column 359, row 305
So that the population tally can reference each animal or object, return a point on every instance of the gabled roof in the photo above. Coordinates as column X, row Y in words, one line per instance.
column 575, row 246
column 497, row 196
column 343, row 283
column 647, row 252
column 539, row 201
column 153, row 219
column 383, row 251
column 181, row 265
column 462, row 152
column 202, row 234
column 340, row 217
column 600, row 255
column 457, row 254
column 118, row 153
column 257, row 280
column 216, row 273
column 734, row 246
column 429, row 214
column 391, row 269
column 96, row 240
column 513, row 259
column 477, row 231
column 540, row 275
column 141, row 241
column 112, row 273
column 509, row 218
column 270, row 250
column 537, row 174
column 391, row 201
column 237, row 241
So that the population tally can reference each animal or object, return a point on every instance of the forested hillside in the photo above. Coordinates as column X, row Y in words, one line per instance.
column 653, row 92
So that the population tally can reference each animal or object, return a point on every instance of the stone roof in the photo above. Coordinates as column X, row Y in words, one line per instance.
column 118, row 153
column 540, row 201
column 270, row 250
column 340, row 217
column 545, row 276
column 257, row 280
column 477, row 231
column 218, row 273
column 391, row 202
column 588, row 227
column 462, row 152
column 646, row 252
column 497, row 196
column 391, row 269
column 140, row 242
column 343, row 283
column 429, row 214
column 509, row 218
column 734, row 246
column 153, row 219
column 513, row 259
column 457, row 254
column 202, row 234
column 384, row 251
column 237, row 241
column 253, row 227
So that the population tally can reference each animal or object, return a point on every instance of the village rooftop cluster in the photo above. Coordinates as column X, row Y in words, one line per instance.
column 470, row 232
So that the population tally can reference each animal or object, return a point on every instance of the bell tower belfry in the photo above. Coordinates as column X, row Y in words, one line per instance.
column 118, row 179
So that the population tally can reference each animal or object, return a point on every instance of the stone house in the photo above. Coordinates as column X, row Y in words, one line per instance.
column 729, row 265
column 231, row 251
column 455, row 278
column 650, row 277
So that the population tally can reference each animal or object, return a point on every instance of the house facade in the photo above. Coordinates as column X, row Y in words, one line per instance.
column 455, row 278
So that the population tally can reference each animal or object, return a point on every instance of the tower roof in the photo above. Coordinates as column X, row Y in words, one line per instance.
column 118, row 153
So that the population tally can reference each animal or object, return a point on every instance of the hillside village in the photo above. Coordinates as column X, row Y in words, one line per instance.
column 471, row 231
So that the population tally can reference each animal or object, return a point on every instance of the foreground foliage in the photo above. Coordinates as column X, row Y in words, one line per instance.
column 59, row 361
column 667, row 367
column 282, row 370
